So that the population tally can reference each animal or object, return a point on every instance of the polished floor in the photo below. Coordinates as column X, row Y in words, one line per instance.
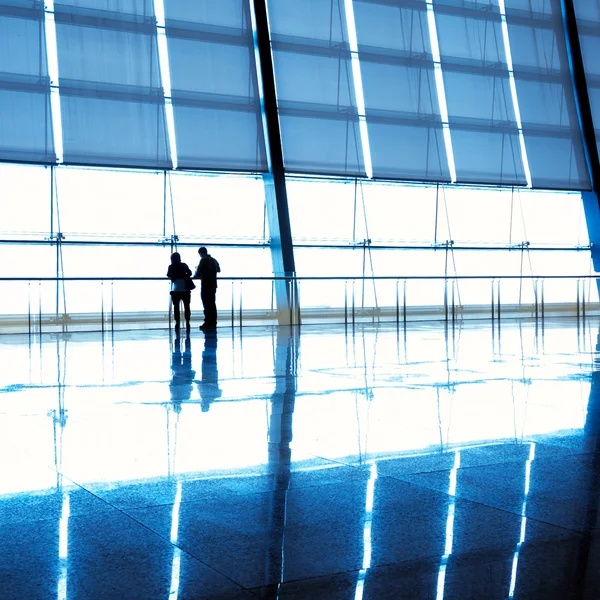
column 327, row 463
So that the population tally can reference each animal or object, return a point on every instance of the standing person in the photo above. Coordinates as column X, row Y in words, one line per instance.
column 179, row 274
column 207, row 273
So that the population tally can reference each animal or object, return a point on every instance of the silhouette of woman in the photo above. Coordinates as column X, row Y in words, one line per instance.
column 180, row 275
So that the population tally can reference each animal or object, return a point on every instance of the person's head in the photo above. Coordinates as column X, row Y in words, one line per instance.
column 203, row 251
column 175, row 258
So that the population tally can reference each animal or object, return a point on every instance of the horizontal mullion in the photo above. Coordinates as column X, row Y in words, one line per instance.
column 371, row 54
column 225, row 103
column 311, row 47
column 85, row 89
column 532, row 19
column 222, row 35
column 319, row 111
column 483, row 125
column 479, row 12
column 559, row 132
column 476, row 67
column 25, row 83
column 414, row 4
column 23, row 12
column 429, row 121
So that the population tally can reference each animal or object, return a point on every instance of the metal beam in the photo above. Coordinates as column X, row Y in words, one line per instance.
column 282, row 250
column 591, row 200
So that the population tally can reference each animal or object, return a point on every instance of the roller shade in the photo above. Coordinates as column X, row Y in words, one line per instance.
column 215, row 95
column 315, row 87
column 481, row 112
column 588, row 25
column 25, row 116
column 544, row 88
column 112, row 101
column 401, row 104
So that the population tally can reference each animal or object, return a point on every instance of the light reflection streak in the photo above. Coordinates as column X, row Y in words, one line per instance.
column 448, row 546
column 63, row 546
column 52, row 58
column 176, row 564
column 367, row 534
column 440, row 89
column 513, row 91
column 515, row 564
column 165, row 71
column 358, row 88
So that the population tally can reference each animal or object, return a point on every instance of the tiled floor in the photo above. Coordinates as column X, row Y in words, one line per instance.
column 326, row 463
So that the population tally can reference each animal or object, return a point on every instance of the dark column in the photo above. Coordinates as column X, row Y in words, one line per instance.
column 282, row 250
column 591, row 201
column 280, row 455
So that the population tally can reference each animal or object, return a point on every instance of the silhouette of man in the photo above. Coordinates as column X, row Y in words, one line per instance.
column 207, row 273
column 209, row 385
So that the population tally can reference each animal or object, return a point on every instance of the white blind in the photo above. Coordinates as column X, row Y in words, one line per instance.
column 588, row 25
column 112, row 101
column 315, row 87
column 25, row 116
column 216, row 102
column 401, row 104
column 543, row 81
column 481, row 111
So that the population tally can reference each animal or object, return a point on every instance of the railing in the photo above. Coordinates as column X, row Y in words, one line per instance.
column 114, row 302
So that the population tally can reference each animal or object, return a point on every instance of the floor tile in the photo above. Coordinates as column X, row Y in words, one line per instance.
column 562, row 491
column 96, row 557
column 318, row 530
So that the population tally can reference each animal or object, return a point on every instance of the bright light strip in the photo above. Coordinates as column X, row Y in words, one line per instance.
column 358, row 88
column 175, row 575
column 52, row 57
column 175, row 515
column 165, row 71
column 513, row 91
column 63, row 537
column 63, row 547
column 176, row 564
column 515, row 565
column 441, row 583
column 440, row 89
column 367, row 534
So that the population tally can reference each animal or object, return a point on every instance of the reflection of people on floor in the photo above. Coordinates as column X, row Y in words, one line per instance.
column 182, row 375
column 208, row 386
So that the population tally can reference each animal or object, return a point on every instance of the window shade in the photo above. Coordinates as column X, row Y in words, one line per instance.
column 25, row 117
column 216, row 102
column 401, row 105
column 588, row 25
column 112, row 101
column 315, row 87
column 481, row 113
column 543, row 81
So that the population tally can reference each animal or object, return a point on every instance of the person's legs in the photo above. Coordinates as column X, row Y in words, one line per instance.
column 175, row 298
column 205, row 304
column 186, row 308
column 211, row 308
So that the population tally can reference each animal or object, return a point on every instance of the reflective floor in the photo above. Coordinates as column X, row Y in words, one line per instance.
column 330, row 463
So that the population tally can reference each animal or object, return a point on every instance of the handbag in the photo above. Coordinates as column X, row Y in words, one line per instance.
column 189, row 284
